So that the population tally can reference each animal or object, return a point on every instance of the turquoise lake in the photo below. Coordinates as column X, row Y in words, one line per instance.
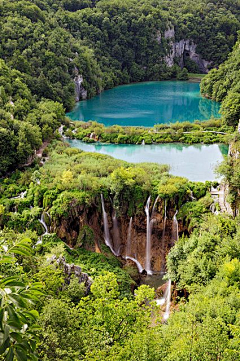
column 146, row 104
column 195, row 162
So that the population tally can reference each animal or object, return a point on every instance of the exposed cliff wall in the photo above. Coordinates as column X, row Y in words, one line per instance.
column 180, row 51
column 80, row 92
column 73, row 230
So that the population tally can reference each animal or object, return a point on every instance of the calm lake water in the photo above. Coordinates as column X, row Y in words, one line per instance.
column 195, row 162
column 146, row 104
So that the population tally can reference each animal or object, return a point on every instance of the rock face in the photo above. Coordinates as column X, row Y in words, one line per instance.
column 182, row 50
column 126, row 240
column 80, row 92
column 71, row 269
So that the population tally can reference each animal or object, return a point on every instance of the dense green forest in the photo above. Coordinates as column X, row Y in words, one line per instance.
column 223, row 84
column 73, row 223
column 45, row 45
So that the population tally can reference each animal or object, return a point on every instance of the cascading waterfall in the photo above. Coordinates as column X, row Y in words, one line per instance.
column 175, row 228
column 154, row 206
column 106, row 228
column 42, row 221
column 91, row 135
column 163, row 236
column 168, row 301
column 116, row 239
column 148, row 241
column 129, row 245
column 138, row 264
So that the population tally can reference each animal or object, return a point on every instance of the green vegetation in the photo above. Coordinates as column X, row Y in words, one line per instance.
column 223, row 85
column 67, row 320
column 208, row 132
column 63, row 294
column 45, row 45
column 24, row 123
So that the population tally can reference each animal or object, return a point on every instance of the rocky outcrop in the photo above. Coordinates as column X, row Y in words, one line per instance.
column 71, row 269
column 80, row 92
column 182, row 50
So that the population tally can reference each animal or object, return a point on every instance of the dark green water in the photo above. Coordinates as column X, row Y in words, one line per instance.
column 146, row 104
column 195, row 162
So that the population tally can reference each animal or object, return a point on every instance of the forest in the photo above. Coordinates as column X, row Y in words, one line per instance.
column 73, row 223
column 45, row 45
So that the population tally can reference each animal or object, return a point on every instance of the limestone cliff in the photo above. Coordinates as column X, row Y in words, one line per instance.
column 80, row 92
column 180, row 51
column 127, row 237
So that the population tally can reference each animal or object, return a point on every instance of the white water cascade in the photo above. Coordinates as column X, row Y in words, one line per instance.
column 91, row 135
column 107, row 238
column 129, row 239
column 148, row 241
column 168, row 301
column 175, row 228
column 117, row 240
column 138, row 264
column 163, row 236
column 42, row 221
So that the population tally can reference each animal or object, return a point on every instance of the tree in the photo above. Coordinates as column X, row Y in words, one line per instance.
column 17, row 316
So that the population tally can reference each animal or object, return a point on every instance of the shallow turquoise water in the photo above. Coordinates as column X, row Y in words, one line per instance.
column 146, row 104
column 195, row 162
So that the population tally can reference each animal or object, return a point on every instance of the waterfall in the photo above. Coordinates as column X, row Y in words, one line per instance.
column 139, row 266
column 91, row 135
column 168, row 301
column 148, row 240
column 116, row 235
column 107, row 238
column 129, row 248
column 175, row 228
column 163, row 236
column 143, row 142
column 154, row 206
column 42, row 221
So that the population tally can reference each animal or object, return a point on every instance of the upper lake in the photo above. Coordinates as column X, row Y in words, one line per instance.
column 146, row 104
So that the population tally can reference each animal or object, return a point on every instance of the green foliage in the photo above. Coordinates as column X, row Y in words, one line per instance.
column 196, row 260
column 17, row 317
column 207, row 132
column 223, row 85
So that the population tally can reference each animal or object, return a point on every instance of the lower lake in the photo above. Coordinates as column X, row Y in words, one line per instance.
column 195, row 162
